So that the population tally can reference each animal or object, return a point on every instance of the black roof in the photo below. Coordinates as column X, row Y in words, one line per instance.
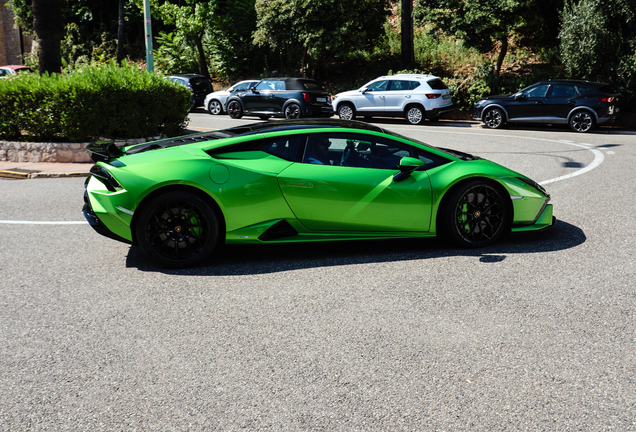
column 282, row 125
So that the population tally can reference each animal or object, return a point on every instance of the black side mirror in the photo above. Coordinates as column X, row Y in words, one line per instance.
column 406, row 167
column 520, row 96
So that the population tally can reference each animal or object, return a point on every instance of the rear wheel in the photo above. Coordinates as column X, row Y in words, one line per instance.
column 234, row 109
column 494, row 118
column 346, row 111
column 292, row 111
column 214, row 107
column 177, row 229
column 415, row 115
column 582, row 121
column 475, row 214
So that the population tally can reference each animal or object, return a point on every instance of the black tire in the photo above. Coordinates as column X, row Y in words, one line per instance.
column 177, row 229
column 494, row 118
column 292, row 111
column 475, row 214
column 582, row 121
column 215, row 107
column 415, row 114
column 234, row 109
column 346, row 111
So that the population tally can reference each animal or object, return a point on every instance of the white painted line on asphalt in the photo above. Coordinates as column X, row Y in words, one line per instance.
column 598, row 159
column 610, row 152
column 42, row 222
column 598, row 156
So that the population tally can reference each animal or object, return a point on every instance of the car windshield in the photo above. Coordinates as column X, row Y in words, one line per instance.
column 450, row 152
column 437, row 84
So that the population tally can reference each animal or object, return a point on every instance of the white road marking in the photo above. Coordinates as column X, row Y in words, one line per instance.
column 598, row 156
column 42, row 222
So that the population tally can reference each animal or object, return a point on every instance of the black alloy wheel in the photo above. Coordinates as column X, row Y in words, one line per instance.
column 177, row 229
column 493, row 118
column 476, row 214
column 292, row 111
column 582, row 121
column 234, row 109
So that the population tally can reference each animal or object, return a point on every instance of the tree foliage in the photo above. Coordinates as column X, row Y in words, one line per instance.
column 318, row 32
column 482, row 24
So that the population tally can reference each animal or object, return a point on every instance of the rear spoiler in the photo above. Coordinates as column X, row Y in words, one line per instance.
column 104, row 151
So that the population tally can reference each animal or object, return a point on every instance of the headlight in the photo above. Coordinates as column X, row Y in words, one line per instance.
column 480, row 103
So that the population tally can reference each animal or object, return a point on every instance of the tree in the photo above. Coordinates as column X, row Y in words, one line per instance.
column 192, row 20
column 49, row 27
column 408, row 50
column 482, row 24
column 318, row 31
column 121, row 34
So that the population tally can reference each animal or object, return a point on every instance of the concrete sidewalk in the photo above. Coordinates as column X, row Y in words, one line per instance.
column 24, row 170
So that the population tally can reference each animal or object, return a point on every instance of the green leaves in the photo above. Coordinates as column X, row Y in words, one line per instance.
column 106, row 101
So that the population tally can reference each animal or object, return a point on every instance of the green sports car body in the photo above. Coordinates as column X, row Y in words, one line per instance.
column 297, row 181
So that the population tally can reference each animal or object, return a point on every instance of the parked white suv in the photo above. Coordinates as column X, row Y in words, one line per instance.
column 415, row 97
column 216, row 102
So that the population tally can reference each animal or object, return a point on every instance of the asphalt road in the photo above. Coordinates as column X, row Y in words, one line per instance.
column 536, row 333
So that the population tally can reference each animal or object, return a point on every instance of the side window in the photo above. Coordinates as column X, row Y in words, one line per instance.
column 286, row 148
column 415, row 84
column 563, row 91
column 538, row 91
column 271, row 85
column 397, row 85
column 378, row 86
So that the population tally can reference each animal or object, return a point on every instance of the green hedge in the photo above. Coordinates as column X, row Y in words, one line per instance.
column 105, row 101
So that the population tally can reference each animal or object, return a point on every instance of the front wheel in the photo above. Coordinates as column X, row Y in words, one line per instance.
column 415, row 115
column 177, row 229
column 214, row 107
column 235, row 110
column 292, row 111
column 346, row 111
column 494, row 118
column 475, row 214
column 581, row 121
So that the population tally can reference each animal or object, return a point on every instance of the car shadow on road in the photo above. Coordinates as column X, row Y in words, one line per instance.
column 273, row 258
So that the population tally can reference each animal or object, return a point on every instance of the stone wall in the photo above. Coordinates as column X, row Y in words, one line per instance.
column 17, row 151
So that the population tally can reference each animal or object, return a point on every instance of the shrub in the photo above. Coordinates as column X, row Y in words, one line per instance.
column 106, row 101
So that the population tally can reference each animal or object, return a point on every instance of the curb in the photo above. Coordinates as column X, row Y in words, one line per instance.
column 19, row 174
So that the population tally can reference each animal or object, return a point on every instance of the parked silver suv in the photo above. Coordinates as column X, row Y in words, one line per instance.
column 415, row 97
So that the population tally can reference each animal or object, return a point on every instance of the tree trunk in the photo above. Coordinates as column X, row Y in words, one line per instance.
column 203, row 65
column 502, row 55
column 48, row 23
column 120, row 32
column 408, row 51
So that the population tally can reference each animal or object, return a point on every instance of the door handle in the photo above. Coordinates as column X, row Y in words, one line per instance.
column 299, row 184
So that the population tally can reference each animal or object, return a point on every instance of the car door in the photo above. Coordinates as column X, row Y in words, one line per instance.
column 559, row 103
column 397, row 95
column 356, row 194
column 371, row 100
column 528, row 104
column 261, row 98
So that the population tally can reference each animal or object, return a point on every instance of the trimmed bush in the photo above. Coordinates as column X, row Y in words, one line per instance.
column 105, row 101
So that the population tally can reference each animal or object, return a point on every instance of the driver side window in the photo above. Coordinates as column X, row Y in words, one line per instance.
column 378, row 86
column 538, row 91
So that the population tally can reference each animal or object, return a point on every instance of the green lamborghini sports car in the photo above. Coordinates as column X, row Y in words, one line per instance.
column 301, row 181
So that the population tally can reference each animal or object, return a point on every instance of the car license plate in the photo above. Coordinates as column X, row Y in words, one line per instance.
column 321, row 99
column 446, row 96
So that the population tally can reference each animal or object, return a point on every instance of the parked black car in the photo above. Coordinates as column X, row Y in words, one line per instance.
column 197, row 84
column 282, row 97
column 581, row 104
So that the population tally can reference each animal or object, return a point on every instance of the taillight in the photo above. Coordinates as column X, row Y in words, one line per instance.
column 607, row 99
column 432, row 96
column 307, row 97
